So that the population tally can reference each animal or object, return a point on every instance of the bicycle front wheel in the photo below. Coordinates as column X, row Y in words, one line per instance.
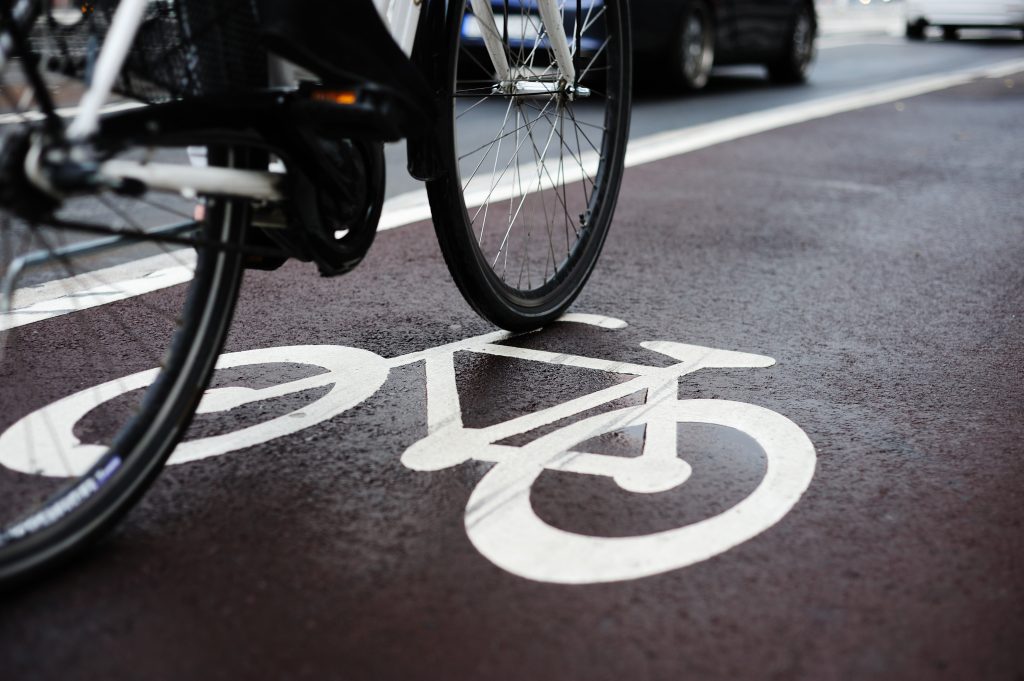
column 532, row 164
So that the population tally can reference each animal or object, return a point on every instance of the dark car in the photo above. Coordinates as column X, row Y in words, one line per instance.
column 676, row 42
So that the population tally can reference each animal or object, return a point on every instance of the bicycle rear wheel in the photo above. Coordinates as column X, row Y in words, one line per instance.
column 80, row 310
column 532, row 167
column 64, row 483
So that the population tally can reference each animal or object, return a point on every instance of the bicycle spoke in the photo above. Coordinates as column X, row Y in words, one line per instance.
column 524, row 195
column 491, row 143
column 511, row 161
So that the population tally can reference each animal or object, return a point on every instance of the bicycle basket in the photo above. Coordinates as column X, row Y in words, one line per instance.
column 184, row 48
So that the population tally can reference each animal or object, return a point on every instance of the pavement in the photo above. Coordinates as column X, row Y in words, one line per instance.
column 874, row 254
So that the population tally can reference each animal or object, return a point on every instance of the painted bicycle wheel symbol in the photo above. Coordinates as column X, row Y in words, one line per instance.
column 500, row 520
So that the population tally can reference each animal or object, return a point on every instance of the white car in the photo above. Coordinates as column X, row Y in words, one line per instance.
column 952, row 15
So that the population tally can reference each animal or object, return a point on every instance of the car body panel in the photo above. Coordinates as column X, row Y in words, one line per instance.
column 966, row 13
column 746, row 31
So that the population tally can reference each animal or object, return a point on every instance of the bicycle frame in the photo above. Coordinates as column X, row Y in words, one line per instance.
column 400, row 16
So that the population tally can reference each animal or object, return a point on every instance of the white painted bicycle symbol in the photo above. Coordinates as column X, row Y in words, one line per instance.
column 499, row 519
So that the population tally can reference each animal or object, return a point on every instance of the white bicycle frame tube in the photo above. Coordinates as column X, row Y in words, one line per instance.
column 555, row 29
column 126, row 22
column 492, row 38
column 401, row 18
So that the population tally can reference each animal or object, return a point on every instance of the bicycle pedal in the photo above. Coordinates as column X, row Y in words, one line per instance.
column 360, row 110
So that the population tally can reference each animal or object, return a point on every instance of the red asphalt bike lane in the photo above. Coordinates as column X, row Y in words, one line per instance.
column 876, row 255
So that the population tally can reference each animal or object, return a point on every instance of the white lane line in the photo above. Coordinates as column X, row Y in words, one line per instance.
column 667, row 144
column 412, row 207
column 832, row 42
column 100, row 287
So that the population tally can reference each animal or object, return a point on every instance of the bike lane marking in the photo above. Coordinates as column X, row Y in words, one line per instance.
column 503, row 526
column 412, row 207
column 499, row 518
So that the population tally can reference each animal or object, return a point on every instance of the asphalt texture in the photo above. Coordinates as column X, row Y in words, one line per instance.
column 876, row 255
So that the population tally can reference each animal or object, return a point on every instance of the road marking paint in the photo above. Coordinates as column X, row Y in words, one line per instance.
column 499, row 518
column 834, row 41
column 100, row 287
column 674, row 143
column 413, row 207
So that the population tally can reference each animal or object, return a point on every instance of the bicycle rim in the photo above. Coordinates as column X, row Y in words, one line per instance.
column 533, row 166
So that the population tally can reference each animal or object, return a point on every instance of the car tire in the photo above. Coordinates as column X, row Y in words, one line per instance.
column 693, row 51
column 950, row 33
column 798, row 52
column 915, row 30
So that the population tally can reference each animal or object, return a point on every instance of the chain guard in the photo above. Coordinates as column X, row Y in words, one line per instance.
column 348, row 195
column 335, row 198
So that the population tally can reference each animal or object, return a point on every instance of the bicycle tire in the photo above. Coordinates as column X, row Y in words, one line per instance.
column 793, row 64
column 58, row 495
column 66, row 522
column 584, row 207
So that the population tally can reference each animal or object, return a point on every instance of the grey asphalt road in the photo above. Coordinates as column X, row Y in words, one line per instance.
column 875, row 255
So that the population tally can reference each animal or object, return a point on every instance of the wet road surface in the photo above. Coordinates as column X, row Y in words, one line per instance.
column 875, row 255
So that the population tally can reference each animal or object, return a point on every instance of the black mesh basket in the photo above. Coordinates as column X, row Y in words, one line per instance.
column 184, row 48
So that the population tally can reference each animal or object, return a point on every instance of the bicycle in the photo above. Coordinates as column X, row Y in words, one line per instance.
column 283, row 165
column 500, row 520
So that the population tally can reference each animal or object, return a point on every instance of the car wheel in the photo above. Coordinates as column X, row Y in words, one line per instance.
column 915, row 30
column 798, row 52
column 950, row 33
column 693, row 51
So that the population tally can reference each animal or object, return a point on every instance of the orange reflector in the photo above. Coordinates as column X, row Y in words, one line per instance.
column 335, row 96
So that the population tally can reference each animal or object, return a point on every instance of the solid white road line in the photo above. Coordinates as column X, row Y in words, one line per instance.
column 100, row 287
column 412, row 207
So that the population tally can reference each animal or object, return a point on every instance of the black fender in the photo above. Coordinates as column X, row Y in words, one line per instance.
column 434, row 55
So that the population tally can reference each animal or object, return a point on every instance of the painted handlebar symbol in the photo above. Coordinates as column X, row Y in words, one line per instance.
column 500, row 520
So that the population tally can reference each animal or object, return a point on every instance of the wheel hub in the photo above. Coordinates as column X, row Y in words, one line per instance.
column 542, row 88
